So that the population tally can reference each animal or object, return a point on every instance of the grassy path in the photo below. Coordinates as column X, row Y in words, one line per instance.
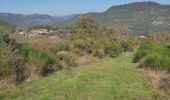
column 108, row 79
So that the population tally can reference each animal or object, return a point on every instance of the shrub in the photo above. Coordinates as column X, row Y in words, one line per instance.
column 85, row 25
column 83, row 44
column 113, row 49
column 3, row 32
column 40, row 59
column 12, row 64
column 99, row 53
column 11, row 60
column 126, row 46
column 155, row 61
column 151, row 60
column 69, row 59
column 153, row 55
column 51, row 66
column 64, row 46
column 149, row 47
column 76, row 51
column 14, row 57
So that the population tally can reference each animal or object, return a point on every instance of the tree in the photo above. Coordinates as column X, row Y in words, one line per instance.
column 121, row 32
column 86, row 25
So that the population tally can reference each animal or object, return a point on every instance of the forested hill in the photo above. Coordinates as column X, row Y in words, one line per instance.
column 140, row 17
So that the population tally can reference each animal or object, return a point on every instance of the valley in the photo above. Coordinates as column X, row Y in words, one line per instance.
column 122, row 53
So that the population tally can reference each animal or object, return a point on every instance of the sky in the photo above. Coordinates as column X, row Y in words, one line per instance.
column 62, row 7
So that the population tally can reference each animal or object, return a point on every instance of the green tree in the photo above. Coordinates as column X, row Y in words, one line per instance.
column 86, row 25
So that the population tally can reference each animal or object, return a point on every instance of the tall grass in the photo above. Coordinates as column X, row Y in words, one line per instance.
column 37, row 57
column 126, row 46
column 153, row 55
column 11, row 61
column 64, row 46
column 3, row 33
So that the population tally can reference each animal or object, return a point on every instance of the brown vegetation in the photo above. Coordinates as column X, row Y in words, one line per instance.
column 159, row 79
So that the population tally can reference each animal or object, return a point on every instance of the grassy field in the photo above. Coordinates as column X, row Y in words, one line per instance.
column 108, row 79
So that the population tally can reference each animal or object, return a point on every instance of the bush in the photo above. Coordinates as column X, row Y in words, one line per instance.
column 14, row 57
column 126, row 46
column 40, row 59
column 11, row 60
column 76, row 51
column 3, row 33
column 153, row 55
column 83, row 44
column 150, row 47
column 113, row 49
column 12, row 64
column 51, row 66
column 69, row 59
column 99, row 53
column 155, row 61
column 85, row 25
column 64, row 46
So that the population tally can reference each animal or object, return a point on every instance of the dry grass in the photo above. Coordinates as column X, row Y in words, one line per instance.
column 86, row 59
column 7, row 83
column 159, row 80
column 43, row 42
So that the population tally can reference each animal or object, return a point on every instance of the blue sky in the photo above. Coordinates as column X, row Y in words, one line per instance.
column 62, row 7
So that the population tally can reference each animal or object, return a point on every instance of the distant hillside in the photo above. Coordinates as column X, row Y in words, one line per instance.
column 33, row 19
column 140, row 17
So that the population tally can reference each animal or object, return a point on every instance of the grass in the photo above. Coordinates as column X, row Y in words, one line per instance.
column 153, row 55
column 42, row 42
column 108, row 79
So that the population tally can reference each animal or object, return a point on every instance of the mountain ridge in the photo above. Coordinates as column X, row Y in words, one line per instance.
column 140, row 17
column 33, row 19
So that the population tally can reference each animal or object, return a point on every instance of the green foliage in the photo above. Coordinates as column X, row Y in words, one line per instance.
column 88, row 44
column 85, row 25
column 133, row 41
column 64, row 46
column 11, row 64
column 68, row 58
column 153, row 55
column 40, row 59
column 126, row 46
column 3, row 33
column 113, row 49
column 155, row 60
column 138, row 24
column 83, row 44
column 11, row 60
column 99, row 53
column 14, row 57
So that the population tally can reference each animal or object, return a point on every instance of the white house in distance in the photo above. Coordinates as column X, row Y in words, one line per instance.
column 39, row 31
column 142, row 37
